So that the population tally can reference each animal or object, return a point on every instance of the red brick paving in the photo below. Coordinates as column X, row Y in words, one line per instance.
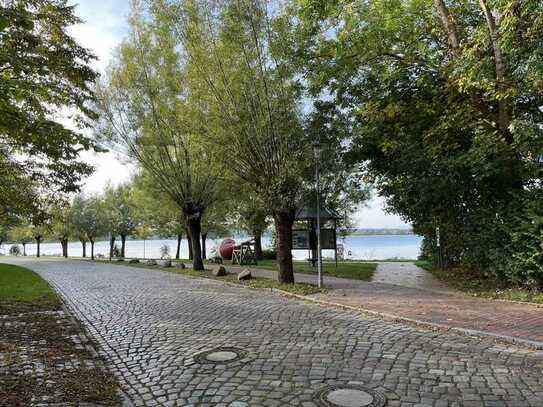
column 456, row 310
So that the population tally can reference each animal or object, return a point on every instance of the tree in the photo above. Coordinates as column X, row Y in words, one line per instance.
column 150, row 110
column 43, row 71
column 79, row 219
column 251, row 216
column 253, row 102
column 4, row 234
column 19, row 196
column 62, row 226
column 21, row 233
column 5, row 227
column 120, row 213
column 38, row 230
column 444, row 98
column 95, row 224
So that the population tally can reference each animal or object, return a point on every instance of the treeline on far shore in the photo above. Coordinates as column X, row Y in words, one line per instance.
column 382, row 231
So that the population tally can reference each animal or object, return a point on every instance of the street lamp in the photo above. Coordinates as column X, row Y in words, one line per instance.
column 317, row 154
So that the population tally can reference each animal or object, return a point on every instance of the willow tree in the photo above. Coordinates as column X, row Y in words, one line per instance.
column 234, row 48
column 150, row 109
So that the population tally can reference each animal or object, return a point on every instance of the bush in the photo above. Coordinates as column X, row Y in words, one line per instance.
column 15, row 250
column 165, row 251
column 503, row 243
column 269, row 254
column 133, row 261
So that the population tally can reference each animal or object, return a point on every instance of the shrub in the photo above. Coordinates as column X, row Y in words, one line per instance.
column 269, row 254
column 165, row 251
column 15, row 250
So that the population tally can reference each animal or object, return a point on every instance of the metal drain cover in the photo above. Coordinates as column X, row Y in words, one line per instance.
column 220, row 355
column 349, row 396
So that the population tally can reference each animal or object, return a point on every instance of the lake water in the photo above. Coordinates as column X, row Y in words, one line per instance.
column 355, row 247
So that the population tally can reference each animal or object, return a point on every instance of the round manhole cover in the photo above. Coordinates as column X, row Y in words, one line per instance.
column 220, row 355
column 349, row 396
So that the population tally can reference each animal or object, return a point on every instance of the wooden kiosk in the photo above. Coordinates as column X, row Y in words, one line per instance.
column 306, row 238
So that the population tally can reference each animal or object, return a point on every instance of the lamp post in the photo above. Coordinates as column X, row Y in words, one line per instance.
column 317, row 153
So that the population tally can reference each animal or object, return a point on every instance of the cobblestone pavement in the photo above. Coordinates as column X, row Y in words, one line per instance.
column 151, row 324
column 454, row 309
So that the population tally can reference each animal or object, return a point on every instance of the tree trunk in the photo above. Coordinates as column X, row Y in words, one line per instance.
column 24, row 249
column 178, row 251
column 204, row 238
column 195, row 226
column 84, row 246
column 448, row 23
column 123, row 245
column 258, row 246
column 499, row 60
column 189, row 244
column 283, row 225
column 64, row 244
column 38, row 242
column 92, row 249
column 111, row 244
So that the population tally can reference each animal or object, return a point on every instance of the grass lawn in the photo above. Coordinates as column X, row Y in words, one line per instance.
column 347, row 269
column 22, row 290
column 481, row 287
column 39, row 361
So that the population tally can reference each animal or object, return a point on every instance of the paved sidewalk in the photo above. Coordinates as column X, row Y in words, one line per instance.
column 451, row 309
column 408, row 275
column 152, row 326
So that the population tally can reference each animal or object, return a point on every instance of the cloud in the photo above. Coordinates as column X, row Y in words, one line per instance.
column 375, row 216
column 103, row 28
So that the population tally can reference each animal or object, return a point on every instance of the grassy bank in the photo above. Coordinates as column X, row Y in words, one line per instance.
column 345, row 269
column 40, row 361
column 479, row 286
column 22, row 290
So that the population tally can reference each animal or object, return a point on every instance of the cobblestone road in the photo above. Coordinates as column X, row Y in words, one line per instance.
column 150, row 324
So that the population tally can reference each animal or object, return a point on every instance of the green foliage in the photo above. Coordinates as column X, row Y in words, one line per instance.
column 92, row 222
column 62, row 226
column 519, row 256
column 21, row 233
column 154, row 210
column 43, row 71
column 152, row 109
column 119, row 210
column 269, row 254
column 250, row 214
column 444, row 100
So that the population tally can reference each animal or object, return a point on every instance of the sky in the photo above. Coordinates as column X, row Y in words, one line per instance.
column 104, row 27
